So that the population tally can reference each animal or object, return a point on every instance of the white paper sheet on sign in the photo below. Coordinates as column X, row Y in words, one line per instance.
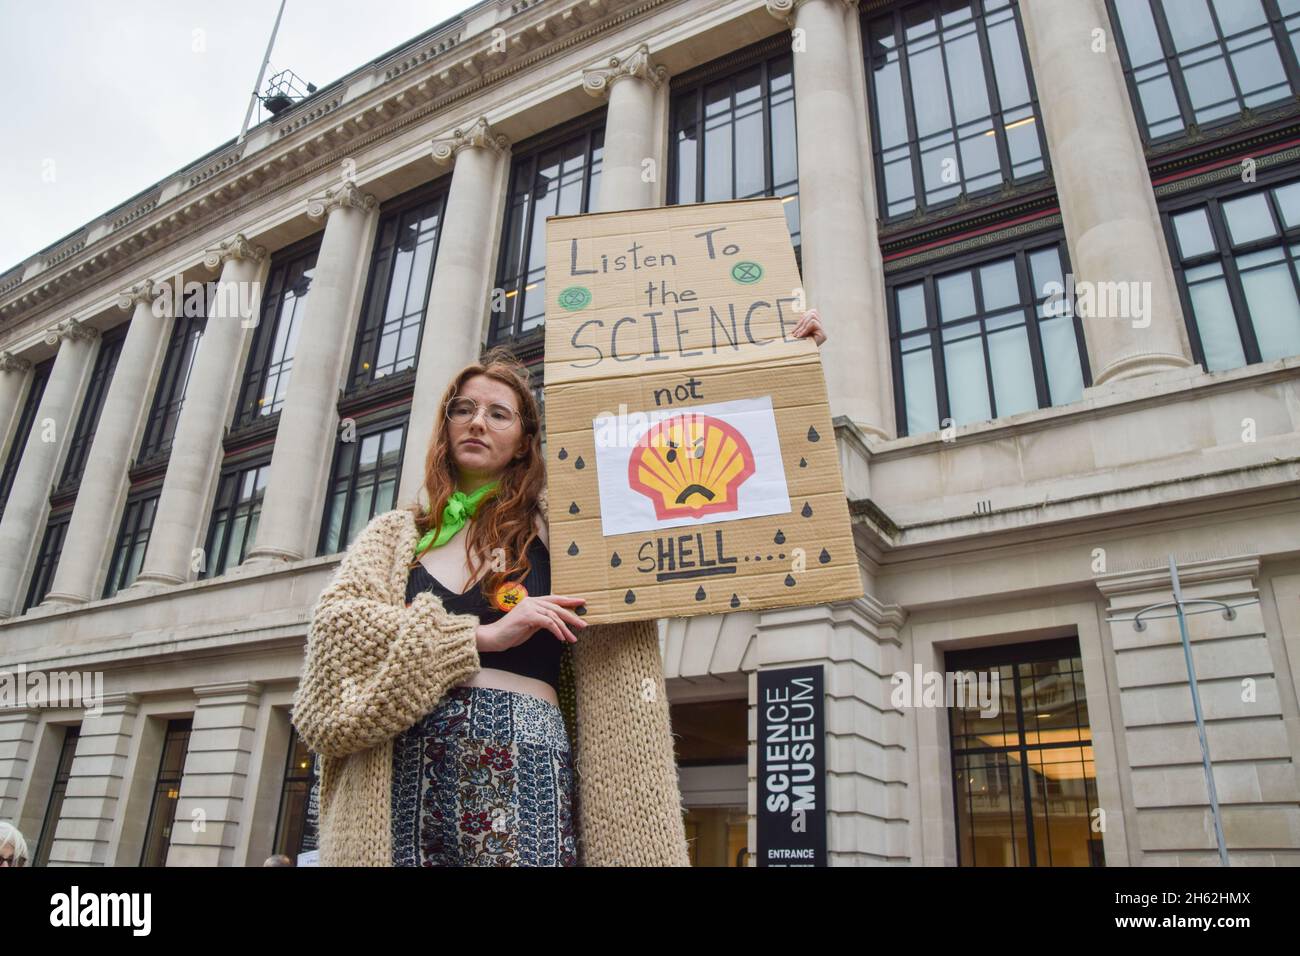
column 625, row 509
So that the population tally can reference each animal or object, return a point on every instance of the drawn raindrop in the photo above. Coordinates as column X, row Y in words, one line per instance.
column 824, row 556
column 789, row 580
column 807, row 510
column 803, row 462
column 581, row 610
column 735, row 601
column 579, row 463
column 629, row 597
column 780, row 538
column 563, row 454
column 615, row 561
column 699, row 593
column 573, row 508
column 812, row 434
column 573, row 548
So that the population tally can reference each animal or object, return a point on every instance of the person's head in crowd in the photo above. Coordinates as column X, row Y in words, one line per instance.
column 13, row 848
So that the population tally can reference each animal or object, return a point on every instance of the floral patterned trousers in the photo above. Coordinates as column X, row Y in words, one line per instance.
column 484, row 779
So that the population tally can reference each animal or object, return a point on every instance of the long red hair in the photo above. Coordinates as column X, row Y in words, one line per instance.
column 504, row 519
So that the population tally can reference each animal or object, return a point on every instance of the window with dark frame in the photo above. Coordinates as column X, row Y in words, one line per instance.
column 92, row 406
column 555, row 177
column 1024, row 777
column 166, row 793
column 270, row 361
column 733, row 135
column 952, row 103
column 363, row 481
column 398, row 284
column 178, row 363
column 59, row 789
column 1203, row 62
column 36, row 390
column 985, row 336
column 1235, row 256
column 238, row 507
column 47, row 559
column 295, row 794
column 132, row 540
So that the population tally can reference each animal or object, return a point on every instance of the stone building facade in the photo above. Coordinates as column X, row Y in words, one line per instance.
column 1053, row 242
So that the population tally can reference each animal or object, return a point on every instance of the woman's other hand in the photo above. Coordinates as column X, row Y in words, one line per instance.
column 810, row 324
column 550, row 611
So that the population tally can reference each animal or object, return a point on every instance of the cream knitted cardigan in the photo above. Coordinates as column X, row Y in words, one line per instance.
column 375, row 667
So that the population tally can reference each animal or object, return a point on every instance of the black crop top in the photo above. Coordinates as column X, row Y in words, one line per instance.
column 539, row 656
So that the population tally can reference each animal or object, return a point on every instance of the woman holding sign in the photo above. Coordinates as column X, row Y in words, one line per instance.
column 466, row 716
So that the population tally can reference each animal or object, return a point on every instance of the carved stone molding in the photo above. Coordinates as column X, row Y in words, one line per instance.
column 14, row 363
column 236, row 247
column 343, row 195
column 479, row 136
column 71, row 330
column 142, row 292
column 598, row 80
column 785, row 10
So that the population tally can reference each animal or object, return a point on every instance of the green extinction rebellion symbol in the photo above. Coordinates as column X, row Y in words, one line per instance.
column 747, row 272
column 575, row 298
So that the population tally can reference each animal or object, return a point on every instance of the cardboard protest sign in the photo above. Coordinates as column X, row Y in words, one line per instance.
column 691, row 464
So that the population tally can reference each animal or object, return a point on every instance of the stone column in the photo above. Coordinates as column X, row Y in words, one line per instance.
column 216, row 769
column 838, row 231
column 857, row 643
column 630, row 82
column 103, row 485
column 14, row 372
column 17, row 747
column 462, row 282
column 196, row 449
column 29, row 500
column 308, row 429
column 1107, row 203
column 96, row 784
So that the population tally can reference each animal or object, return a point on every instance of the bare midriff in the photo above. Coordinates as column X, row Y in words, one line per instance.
column 505, row 680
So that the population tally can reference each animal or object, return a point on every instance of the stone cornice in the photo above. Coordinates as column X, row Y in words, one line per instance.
column 344, row 195
column 598, row 80
column 478, row 136
column 236, row 247
column 71, row 330
column 1191, row 571
column 405, row 89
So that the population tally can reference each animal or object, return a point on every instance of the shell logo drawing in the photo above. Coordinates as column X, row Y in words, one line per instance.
column 690, row 466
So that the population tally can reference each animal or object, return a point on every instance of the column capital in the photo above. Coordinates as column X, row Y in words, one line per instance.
column 479, row 136
column 597, row 80
column 785, row 10
column 142, row 293
column 340, row 196
column 237, row 246
column 239, row 688
column 14, row 363
column 71, row 330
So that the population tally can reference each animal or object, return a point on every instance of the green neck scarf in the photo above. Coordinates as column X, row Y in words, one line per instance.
column 458, row 510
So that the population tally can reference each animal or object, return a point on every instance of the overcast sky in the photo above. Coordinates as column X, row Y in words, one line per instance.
column 100, row 99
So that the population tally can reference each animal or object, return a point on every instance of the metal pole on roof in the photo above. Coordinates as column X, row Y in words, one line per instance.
column 1196, row 710
column 261, row 74
column 1180, row 610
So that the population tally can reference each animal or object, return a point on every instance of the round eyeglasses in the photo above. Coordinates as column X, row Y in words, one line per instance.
column 498, row 416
